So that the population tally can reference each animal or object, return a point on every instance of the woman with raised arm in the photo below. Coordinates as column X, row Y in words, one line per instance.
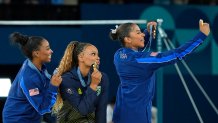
column 136, row 70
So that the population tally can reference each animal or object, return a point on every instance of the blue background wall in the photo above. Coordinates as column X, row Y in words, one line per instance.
column 180, row 23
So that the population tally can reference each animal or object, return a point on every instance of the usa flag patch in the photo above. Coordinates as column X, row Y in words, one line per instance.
column 34, row 92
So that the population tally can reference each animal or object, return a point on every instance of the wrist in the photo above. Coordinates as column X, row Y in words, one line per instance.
column 93, row 86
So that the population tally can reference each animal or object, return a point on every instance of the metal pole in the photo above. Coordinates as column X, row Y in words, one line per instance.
column 159, row 77
column 71, row 22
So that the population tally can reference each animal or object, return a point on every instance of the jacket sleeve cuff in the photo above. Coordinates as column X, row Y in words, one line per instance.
column 53, row 89
column 200, row 35
column 91, row 91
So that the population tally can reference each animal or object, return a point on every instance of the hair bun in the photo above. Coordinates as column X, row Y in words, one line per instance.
column 17, row 37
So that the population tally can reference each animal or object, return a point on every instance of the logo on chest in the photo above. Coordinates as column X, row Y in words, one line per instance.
column 69, row 91
column 123, row 56
column 79, row 91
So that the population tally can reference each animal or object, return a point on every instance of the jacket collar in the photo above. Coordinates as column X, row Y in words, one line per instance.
column 33, row 67
column 73, row 71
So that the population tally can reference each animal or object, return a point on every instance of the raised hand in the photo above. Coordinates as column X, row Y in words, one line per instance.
column 154, row 26
column 96, row 77
column 204, row 27
column 56, row 80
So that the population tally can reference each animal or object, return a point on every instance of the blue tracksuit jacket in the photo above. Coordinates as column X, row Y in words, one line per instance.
column 84, row 99
column 136, row 71
column 31, row 95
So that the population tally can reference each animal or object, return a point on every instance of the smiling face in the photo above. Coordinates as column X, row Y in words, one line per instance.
column 89, row 56
column 135, row 39
column 44, row 52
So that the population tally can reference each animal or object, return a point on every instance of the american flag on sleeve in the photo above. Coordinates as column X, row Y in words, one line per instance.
column 34, row 92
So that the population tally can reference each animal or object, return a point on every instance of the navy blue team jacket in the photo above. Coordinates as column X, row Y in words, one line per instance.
column 136, row 71
column 31, row 95
column 84, row 99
